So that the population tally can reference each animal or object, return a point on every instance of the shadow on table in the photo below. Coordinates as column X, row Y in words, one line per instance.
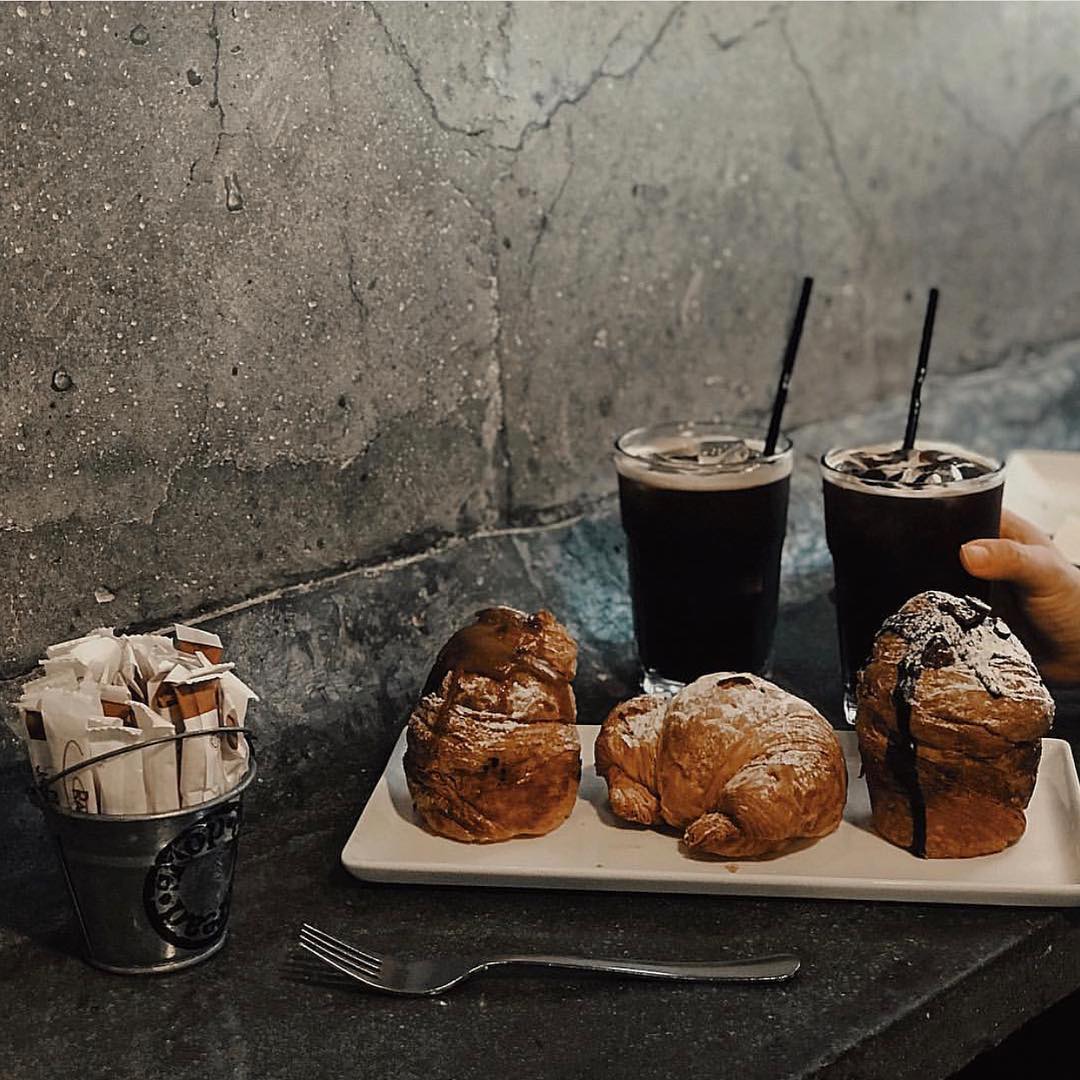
column 34, row 902
column 807, row 657
column 1049, row 1037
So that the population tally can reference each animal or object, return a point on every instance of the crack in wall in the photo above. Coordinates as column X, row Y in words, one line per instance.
column 1013, row 148
column 398, row 49
column 350, row 274
column 214, row 33
column 547, row 214
column 355, row 290
column 1059, row 112
column 724, row 44
column 215, row 101
column 599, row 73
column 502, row 29
column 508, row 512
column 494, row 434
column 826, row 127
column 969, row 117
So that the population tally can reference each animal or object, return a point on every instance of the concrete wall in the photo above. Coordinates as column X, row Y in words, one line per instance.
column 290, row 288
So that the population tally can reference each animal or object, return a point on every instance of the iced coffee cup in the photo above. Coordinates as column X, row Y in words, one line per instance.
column 704, row 510
column 895, row 520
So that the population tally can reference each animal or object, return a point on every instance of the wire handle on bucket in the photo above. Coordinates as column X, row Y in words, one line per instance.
column 38, row 791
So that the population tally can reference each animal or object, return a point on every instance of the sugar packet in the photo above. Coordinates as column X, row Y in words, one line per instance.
column 202, row 776
column 65, row 715
column 235, row 698
column 192, row 640
column 160, row 763
column 99, row 654
column 29, row 724
column 119, row 785
column 103, row 692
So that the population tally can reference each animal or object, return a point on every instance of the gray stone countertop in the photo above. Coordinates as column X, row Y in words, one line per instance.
column 886, row 990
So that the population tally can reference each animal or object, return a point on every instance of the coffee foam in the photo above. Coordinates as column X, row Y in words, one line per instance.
column 833, row 471
column 659, row 463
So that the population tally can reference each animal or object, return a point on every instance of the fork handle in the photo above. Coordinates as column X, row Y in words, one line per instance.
column 774, row 968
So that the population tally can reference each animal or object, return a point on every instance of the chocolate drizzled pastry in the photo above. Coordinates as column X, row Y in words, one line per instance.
column 951, row 711
column 492, row 747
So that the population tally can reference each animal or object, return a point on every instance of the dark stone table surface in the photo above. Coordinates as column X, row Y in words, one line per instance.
column 886, row 990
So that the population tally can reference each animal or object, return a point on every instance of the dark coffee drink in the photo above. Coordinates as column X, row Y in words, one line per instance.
column 704, row 513
column 895, row 521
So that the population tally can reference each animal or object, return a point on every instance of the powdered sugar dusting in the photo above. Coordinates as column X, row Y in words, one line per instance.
column 639, row 729
column 736, row 762
column 747, row 695
column 942, row 630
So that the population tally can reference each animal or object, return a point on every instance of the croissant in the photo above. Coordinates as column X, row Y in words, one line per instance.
column 743, row 767
column 951, row 714
column 492, row 749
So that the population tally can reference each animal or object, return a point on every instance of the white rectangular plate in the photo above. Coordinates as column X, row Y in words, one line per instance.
column 593, row 849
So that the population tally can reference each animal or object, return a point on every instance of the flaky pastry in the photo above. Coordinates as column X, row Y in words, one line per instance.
column 492, row 747
column 743, row 767
column 951, row 714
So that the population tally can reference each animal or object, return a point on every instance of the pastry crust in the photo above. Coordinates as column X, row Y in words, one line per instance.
column 492, row 748
column 626, row 757
column 951, row 713
column 511, row 663
column 743, row 767
column 482, row 777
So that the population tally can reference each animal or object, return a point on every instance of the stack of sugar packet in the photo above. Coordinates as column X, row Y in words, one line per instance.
column 105, row 692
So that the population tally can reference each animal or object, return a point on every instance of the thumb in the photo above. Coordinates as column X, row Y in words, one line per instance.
column 1031, row 566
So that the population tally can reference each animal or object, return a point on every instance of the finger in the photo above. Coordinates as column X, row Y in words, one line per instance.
column 1015, row 527
column 1035, row 568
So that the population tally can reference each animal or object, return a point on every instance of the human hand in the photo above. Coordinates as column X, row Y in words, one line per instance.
column 1044, row 586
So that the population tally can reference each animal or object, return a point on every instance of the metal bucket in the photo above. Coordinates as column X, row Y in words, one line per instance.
column 151, row 892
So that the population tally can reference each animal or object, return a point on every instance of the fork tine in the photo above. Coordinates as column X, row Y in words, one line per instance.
column 324, row 938
column 353, row 962
column 341, row 964
column 329, row 941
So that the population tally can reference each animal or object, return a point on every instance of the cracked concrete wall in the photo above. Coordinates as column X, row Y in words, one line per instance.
column 289, row 288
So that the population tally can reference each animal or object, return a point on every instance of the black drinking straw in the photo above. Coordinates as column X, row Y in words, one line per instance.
column 789, row 364
column 920, row 371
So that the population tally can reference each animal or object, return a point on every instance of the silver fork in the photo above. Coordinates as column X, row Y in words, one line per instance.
column 435, row 976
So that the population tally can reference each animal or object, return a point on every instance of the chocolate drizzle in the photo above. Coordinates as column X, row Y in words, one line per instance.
column 902, row 752
column 940, row 630
column 940, row 624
